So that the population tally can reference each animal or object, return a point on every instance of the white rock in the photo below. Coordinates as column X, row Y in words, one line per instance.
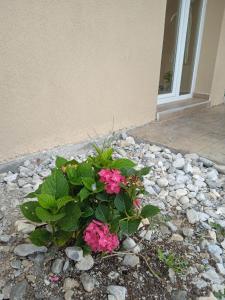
column 215, row 252
column 70, row 283
column 28, row 249
column 192, row 216
column 180, row 193
column 179, row 163
column 74, row 253
column 184, row 200
column 86, row 263
column 119, row 292
column 188, row 232
column 146, row 235
column 177, row 237
column 220, row 268
column 162, row 182
column 212, row 175
column 188, row 168
column 130, row 260
column 57, row 266
column 69, row 295
column 130, row 244
column 212, row 276
column 88, row 282
column 154, row 148
column 10, row 177
column 24, row 227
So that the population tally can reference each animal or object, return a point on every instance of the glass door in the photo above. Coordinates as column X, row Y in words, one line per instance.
column 181, row 47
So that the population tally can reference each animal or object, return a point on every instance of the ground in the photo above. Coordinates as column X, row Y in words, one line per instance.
column 189, row 231
column 201, row 132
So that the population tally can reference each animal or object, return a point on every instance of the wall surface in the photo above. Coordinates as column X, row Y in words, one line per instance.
column 69, row 68
column 218, row 85
column 210, row 40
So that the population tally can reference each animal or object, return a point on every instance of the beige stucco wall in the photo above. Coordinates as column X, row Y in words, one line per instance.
column 218, row 84
column 69, row 68
column 210, row 39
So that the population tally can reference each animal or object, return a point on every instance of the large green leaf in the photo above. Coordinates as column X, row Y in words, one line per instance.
column 107, row 154
column 103, row 197
column 102, row 213
column 71, row 219
column 55, row 185
column 63, row 201
column 60, row 161
column 87, row 212
column 40, row 237
column 129, row 226
column 122, row 202
column 46, row 216
column 73, row 176
column 122, row 163
column 85, row 170
column 149, row 211
column 62, row 237
column 89, row 183
column 47, row 201
column 144, row 171
column 84, row 194
column 29, row 211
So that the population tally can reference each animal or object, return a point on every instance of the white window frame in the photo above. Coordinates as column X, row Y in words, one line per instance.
column 181, row 39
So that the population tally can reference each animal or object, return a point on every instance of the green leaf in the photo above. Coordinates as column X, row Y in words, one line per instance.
column 102, row 213
column 149, row 211
column 107, row 154
column 63, row 201
column 62, row 237
column 47, row 201
column 129, row 226
column 40, row 237
column 85, row 170
column 89, row 183
column 73, row 176
column 55, row 185
column 122, row 163
column 122, row 202
column 71, row 219
column 84, row 194
column 86, row 249
column 87, row 212
column 60, row 161
column 28, row 209
column 115, row 224
column 144, row 171
column 103, row 197
column 46, row 216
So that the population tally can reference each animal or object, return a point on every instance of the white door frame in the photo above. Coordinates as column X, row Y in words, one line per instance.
column 181, row 39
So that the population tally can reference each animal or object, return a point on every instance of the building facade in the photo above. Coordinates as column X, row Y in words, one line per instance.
column 79, row 68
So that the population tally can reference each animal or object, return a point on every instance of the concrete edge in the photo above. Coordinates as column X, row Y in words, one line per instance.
column 66, row 151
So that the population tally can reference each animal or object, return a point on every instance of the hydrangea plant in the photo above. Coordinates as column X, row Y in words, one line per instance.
column 93, row 203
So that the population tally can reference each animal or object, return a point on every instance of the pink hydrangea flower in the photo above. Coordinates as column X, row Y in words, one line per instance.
column 98, row 237
column 112, row 180
column 137, row 203
column 54, row 278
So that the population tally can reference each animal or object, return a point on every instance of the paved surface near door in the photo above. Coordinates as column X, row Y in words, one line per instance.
column 201, row 132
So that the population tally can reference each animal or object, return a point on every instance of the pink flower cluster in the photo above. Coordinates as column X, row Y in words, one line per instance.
column 112, row 180
column 98, row 237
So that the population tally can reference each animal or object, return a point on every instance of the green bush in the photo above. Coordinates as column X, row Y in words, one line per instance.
column 74, row 195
